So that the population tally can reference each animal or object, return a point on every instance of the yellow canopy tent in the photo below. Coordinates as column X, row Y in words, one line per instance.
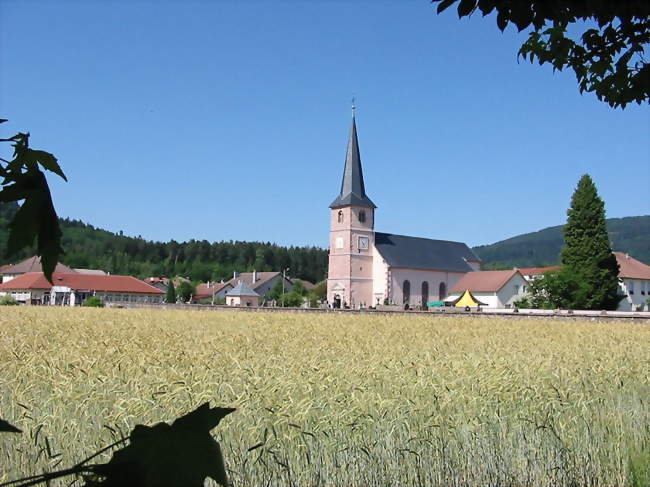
column 467, row 299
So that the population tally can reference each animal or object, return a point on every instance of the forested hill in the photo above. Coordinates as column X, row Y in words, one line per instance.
column 89, row 247
column 630, row 234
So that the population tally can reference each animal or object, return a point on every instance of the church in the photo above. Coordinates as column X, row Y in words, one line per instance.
column 369, row 268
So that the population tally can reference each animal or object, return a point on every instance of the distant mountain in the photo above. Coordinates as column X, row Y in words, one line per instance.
column 630, row 234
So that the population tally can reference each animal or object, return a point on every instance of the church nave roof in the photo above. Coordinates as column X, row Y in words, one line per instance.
column 424, row 253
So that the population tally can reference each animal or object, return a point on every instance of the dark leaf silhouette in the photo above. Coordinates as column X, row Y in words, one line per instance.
column 608, row 61
column 183, row 454
column 7, row 427
column 36, row 218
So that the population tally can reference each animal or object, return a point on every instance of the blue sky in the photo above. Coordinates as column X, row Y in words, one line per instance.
column 229, row 120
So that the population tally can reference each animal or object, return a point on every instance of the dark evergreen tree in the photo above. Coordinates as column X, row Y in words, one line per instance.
column 170, row 297
column 587, row 256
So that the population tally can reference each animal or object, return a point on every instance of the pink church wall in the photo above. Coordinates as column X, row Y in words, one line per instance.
column 416, row 277
column 351, row 267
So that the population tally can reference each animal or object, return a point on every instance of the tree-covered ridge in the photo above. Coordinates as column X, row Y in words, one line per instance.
column 89, row 247
column 629, row 234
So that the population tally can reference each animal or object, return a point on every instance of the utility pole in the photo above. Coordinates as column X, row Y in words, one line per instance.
column 284, row 276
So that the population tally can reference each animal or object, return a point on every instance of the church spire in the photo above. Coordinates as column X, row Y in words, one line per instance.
column 353, row 191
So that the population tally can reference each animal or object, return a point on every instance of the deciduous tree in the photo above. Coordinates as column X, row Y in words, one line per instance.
column 607, row 58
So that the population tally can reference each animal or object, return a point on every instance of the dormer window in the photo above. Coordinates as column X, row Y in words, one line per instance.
column 362, row 216
column 340, row 216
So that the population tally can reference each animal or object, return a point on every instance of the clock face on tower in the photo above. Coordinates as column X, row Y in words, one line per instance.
column 363, row 243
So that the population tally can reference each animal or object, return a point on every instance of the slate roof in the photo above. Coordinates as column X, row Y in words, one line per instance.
column 33, row 264
column 631, row 268
column 424, row 253
column 260, row 278
column 353, row 191
column 483, row 281
column 81, row 282
column 241, row 289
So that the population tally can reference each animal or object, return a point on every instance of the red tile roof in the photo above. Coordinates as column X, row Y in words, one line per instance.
column 207, row 290
column 81, row 282
column 33, row 264
column 537, row 271
column 631, row 268
column 483, row 281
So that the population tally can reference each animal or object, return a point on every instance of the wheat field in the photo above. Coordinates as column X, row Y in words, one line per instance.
column 328, row 399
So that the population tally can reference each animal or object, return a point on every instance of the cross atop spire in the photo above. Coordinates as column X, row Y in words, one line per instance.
column 353, row 191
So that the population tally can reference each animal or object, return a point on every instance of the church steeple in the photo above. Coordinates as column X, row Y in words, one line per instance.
column 353, row 191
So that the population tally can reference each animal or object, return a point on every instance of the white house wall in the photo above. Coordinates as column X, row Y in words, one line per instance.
column 507, row 294
column 491, row 300
column 636, row 291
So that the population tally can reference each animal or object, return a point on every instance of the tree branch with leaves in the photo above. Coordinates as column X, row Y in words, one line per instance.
column 36, row 218
column 607, row 59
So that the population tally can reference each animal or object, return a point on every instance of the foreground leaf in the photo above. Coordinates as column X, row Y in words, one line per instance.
column 183, row 454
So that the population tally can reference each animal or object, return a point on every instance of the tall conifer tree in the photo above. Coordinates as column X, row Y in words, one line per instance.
column 170, row 297
column 588, row 256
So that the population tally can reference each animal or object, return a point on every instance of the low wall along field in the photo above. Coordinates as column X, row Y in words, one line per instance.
column 336, row 399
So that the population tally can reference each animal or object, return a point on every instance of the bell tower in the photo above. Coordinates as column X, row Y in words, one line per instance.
column 352, row 236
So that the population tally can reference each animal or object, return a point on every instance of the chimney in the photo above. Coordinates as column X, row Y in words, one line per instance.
column 254, row 276
column 627, row 256
column 235, row 274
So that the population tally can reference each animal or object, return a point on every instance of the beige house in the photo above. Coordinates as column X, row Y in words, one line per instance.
column 242, row 295
column 497, row 289
column 369, row 268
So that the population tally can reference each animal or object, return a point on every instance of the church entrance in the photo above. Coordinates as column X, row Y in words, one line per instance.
column 337, row 301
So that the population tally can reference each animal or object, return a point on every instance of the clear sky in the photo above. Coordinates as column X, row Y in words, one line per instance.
column 229, row 120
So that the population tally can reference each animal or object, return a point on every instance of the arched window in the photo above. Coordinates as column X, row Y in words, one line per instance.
column 425, row 293
column 442, row 291
column 362, row 216
column 340, row 216
column 406, row 290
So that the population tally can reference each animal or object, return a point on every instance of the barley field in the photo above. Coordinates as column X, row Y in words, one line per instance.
column 336, row 400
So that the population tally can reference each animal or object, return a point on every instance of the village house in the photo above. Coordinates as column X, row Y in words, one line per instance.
column 211, row 291
column 72, row 289
column 242, row 295
column 261, row 282
column 33, row 264
column 496, row 289
column 532, row 273
column 159, row 282
column 633, row 282
column 369, row 268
